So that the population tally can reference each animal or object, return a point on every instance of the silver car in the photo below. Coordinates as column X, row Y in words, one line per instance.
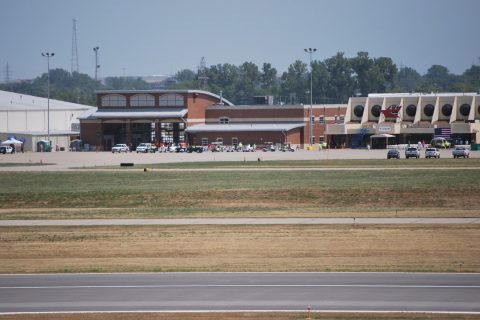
column 432, row 153
column 120, row 147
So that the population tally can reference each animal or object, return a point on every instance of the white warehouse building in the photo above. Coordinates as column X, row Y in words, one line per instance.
column 25, row 117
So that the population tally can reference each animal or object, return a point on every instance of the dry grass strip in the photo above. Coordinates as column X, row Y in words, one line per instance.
column 436, row 248
column 239, row 316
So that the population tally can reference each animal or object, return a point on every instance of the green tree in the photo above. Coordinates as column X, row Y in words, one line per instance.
column 268, row 80
column 362, row 65
column 471, row 78
column 320, row 80
column 407, row 80
column 294, row 83
column 342, row 83
column 247, row 82
column 438, row 78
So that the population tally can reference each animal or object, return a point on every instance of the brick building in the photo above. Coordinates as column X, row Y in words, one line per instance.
column 199, row 117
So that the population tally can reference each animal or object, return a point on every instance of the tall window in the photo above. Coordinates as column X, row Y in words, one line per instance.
column 172, row 100
column 235, row 142
column 321, row 120
column 114, row 100
column 142, row 100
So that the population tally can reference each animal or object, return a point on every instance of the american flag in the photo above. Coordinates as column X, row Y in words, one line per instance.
column 443, row 133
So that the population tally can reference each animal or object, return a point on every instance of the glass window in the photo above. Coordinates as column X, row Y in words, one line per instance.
column 142, row 100
column 114, row 100
column 224, row 120
column 321, row 120
column 312, row 120
column 235, row 142
column 171, row 100
column 220, row 140
column 204, row 141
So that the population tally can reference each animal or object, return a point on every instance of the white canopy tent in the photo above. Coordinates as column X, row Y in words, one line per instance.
column 11, row 141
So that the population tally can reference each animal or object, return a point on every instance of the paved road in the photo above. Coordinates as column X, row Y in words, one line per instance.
column 235, row 221
column 66, row 160
column 405, row 292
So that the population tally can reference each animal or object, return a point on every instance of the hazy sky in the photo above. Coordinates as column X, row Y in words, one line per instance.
column 152, row 37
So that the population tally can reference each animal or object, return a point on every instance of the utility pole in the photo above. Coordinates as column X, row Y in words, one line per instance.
column 310, row 113
column 48, row 55
column 97, row 66
column 74, row 61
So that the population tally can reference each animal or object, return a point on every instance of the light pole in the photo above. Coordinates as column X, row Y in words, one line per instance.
column 310, row 51
column 48, row 55
column 96, row 62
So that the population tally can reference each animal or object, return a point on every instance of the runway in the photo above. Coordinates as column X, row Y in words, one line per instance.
column 332, row 292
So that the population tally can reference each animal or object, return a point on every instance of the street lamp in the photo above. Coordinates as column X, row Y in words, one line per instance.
column 96, row 62
column 48, row 55
column 310, row 51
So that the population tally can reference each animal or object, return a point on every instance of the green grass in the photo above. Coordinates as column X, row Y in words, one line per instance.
column 23, row 164
column 236, row 193
column 374, row 163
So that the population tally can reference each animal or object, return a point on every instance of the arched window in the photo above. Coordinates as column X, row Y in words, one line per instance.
column 114, row 100
column 142, row 100
column 224, row 120
column 171, row 100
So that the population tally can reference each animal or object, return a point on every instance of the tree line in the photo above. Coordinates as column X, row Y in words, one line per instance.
column 334, row 80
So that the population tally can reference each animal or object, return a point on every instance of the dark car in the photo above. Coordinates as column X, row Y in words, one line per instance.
column 393, row 153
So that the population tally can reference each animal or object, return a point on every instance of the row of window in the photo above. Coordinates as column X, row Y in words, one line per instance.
column 321, row 120
column 143, row 100
column 235, row 141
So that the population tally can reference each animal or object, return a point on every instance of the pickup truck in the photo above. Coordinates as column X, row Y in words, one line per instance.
column 412, row 152
column 460, row 151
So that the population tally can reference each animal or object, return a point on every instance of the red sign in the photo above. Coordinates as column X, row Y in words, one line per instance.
column 391, row 111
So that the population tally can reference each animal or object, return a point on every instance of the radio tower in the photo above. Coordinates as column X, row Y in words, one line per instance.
column 202, row 73
column 74, row 62
column 7, row 74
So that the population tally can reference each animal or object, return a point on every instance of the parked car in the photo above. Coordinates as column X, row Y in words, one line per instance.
column 412, row 152
column 432, row 153
column 460, row 151
column 120, row 147
column 146, row 147
column 6, row 149
column 197, row 149
column 393, row 153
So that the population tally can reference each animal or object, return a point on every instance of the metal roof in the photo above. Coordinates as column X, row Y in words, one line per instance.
column 242, row 127
column 11, row 101
column 137, row 114
column 168, row 91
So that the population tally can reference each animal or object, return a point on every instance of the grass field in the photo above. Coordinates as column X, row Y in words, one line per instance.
column 439, row 248
column 240, row 316
column 337, row 163
column 286, row 193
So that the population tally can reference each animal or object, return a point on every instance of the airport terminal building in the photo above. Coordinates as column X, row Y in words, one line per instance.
column 407, row 118
column 201, row 118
